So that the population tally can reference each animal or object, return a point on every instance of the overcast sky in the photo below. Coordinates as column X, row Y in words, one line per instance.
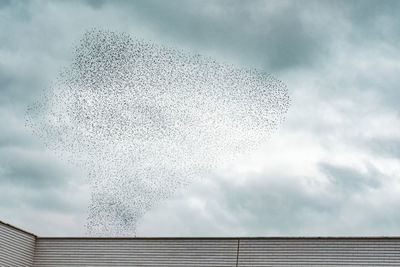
column 333, row 168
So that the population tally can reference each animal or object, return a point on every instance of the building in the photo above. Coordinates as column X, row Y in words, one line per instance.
column 21, row 248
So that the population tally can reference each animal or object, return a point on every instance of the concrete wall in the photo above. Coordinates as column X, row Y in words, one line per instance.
column 16, row 246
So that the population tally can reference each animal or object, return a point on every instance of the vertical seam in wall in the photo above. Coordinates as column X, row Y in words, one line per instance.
column 34, row 251
column 237, row 253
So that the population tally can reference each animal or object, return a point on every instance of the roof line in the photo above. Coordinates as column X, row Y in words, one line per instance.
column 19, row 229
column 225, row 238
column 201, row 237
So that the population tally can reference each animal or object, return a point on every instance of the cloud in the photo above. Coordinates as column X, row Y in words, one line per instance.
column 298, row 196
column 332, row 169
column 271, row 35
column 33, row 181
column 350, row 180
column 387, row 147
column 373, row 20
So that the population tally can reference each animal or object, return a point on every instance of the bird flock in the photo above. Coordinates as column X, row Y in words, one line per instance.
column 143, row 120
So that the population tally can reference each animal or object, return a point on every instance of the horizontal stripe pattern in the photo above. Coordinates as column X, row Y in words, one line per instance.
column 319, row 252
column 16, row 246
column 135, row 252
column 20, row 248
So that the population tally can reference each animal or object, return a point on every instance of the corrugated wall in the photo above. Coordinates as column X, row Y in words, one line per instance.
column 319, row 252
column 218, row 252
column 19, row 248
column 135, row 252
column 16, row 246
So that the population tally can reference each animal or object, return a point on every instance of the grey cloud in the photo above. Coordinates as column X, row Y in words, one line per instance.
column 374, row 19
column 17, row 198
column 30, row 169
column 375, row 31
column 33, row 178
column 12, row 135
column 387, row 147
column 302, row 36
column 263, row 205
column 349, row 179
column 95, row 3
column 4, row 3
column 278, row 205
column 276, row 41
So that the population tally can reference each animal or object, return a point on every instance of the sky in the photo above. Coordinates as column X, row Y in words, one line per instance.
column 332, row 168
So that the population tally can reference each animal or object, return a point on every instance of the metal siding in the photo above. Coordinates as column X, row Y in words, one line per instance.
column 19, row 248
column 16, row 247
column 135, row 252
column 319, row 252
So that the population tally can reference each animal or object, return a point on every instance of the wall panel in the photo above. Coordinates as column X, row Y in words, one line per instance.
column 16, row 246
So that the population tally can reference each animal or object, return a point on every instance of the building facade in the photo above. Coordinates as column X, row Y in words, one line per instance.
column 21, row 248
